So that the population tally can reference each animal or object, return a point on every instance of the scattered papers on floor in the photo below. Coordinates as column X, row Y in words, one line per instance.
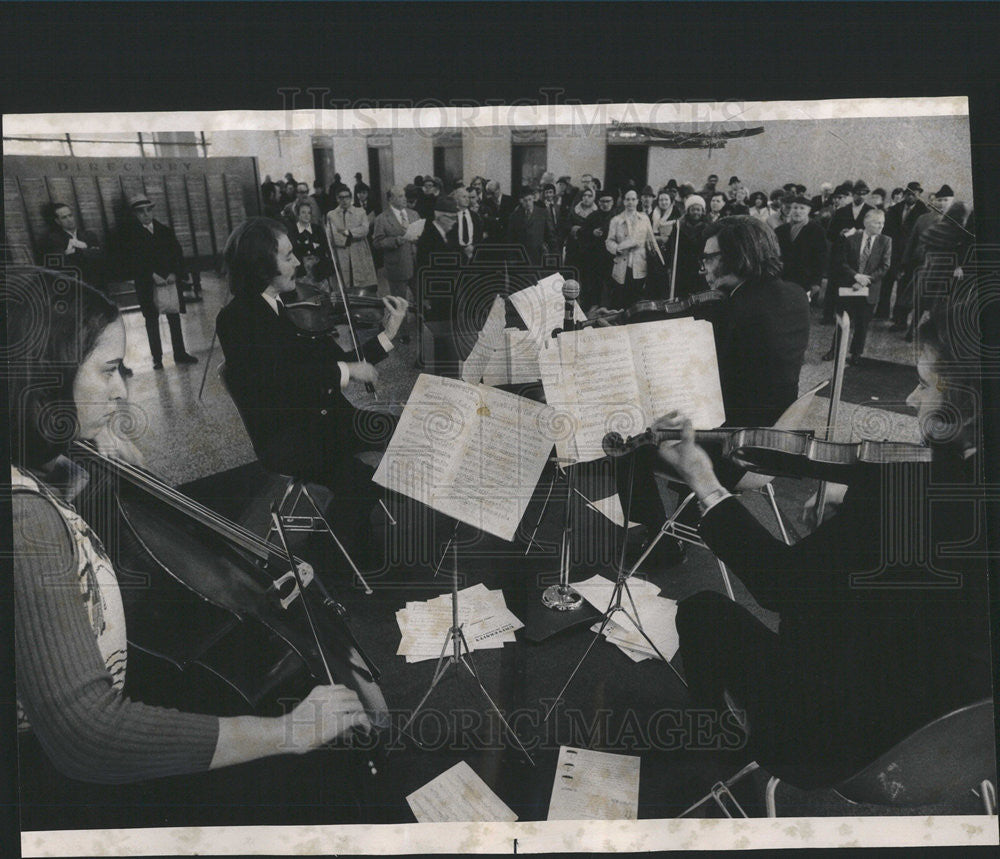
column 658, row 616
column 483, row 615
column 594, row 786
column 458, row 795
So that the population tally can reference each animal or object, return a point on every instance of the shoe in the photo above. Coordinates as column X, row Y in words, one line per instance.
column 185, row 359
column 829, row 356
column 157, row 365
column 193, row 299
column 127, row 372
column 897, row 327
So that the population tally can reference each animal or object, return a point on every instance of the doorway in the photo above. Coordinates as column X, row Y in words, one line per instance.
column 626, row 164
column 380, row 172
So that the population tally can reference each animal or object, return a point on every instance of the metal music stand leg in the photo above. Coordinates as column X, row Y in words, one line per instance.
column 326, row 526
column 615, row 606
column 208, row 361
column 541, row 514
column 444, row 552
column 460, row 655
column 562, row 596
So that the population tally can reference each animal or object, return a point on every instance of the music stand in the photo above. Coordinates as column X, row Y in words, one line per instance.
column 460, row 655
column 562, row 596
column 615, row 605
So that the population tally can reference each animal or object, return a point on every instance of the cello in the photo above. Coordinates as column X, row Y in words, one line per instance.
column 236, row 630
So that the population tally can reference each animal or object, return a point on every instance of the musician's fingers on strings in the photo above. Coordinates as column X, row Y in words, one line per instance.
column 671, row 420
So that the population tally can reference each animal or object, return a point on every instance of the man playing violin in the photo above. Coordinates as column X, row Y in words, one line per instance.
column 761, row 334
column 875, row 639
column 290, row 389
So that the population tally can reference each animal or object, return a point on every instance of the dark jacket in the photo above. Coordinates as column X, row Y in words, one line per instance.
column 761, row 334
column 876, row 639
column 288, row 391
column 438, row 272
column 148, row 253
column 843, row 219
column 804, row 257
column 532, row 233
column 898, row 226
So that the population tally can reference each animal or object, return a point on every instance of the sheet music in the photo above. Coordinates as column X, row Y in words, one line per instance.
column 496, row 474
column 677, row 368
column 522, row 350
column 433, row 425
column 469, row 451
column 594, row 786
column 590, row 377
column 414, row 230
column 851, row 292
column 458, row 795
column 542, row 306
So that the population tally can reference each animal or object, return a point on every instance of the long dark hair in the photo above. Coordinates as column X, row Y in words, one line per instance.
column 251, row 256
column 54, row 320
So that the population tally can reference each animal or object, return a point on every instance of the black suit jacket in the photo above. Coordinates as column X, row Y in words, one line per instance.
column 89, row 261
column 843, row 219
column 861, row 658
column 898, row 226
column 147, row 253
column 288, row 391
column 438, row 264
column 804, row 258
column 533, row 234
column 761, row 334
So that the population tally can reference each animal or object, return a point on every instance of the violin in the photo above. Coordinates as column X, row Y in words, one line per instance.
column 781, row 453
column 315, row 313
column 651, row 310
column 214, row 602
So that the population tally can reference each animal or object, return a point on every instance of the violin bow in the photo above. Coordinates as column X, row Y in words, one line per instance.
column 369, row 387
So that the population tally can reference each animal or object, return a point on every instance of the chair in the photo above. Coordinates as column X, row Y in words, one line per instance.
column 295, row 490
column 943, row 759
column 791, row 419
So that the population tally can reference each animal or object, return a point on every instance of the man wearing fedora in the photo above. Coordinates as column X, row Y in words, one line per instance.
column 900, row 218
column 849, row 216
column 914, row 254
column 152, row 253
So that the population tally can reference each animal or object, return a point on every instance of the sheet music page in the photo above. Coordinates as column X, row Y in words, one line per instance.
column 522, row 349
column 542, row 306
column 458, row 795
column 496, row 472
column 676, row 368
column 431, row 430
column 595, row 786
column 593, row 384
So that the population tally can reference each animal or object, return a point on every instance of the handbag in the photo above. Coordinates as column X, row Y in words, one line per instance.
column 165, row 294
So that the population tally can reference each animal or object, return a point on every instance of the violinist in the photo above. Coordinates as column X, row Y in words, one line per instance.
column 77, row 727
column 875, row 639
column 761, row 334
column 290, row 389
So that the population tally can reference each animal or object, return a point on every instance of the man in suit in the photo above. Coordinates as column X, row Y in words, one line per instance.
column 65, row 246
column 496, row 210
column 398, row 252
column 152, row 253
column 289, row 389
column 556, row 224
column 862, row 260
column 899, row 222
column 849, row 216
column 824, row 198
column 915, row 253
column 529, row 228
column 438, row 262
column 803, row 248
column 302, row 195
column 468, row 225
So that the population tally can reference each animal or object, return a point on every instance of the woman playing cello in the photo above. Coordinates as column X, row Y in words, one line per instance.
column 67, row 342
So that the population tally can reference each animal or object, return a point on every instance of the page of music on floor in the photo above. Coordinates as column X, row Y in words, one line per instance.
column 459, row 504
